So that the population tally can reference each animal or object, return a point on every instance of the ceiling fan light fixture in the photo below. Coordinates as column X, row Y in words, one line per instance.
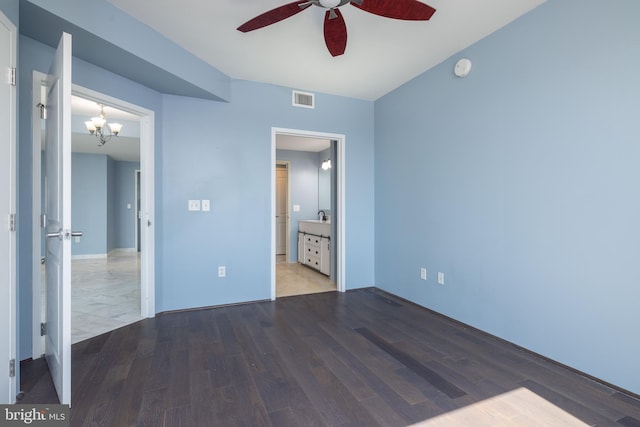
column 329, row 4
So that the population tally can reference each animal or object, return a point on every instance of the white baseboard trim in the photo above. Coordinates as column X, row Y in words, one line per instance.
column 122, row 250
column 89, row 256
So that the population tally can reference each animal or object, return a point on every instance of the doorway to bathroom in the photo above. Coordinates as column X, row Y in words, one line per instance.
column 307, row 212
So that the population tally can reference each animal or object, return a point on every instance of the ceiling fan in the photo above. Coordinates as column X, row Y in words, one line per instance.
column 335, row 29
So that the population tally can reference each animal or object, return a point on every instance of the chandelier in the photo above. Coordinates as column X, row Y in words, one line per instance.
column 96, row 127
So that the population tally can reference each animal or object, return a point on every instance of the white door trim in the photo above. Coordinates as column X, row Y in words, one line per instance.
column 147, row 126
column 340, row 200
column 137, row 179
column 287, row 164
column 9, row 349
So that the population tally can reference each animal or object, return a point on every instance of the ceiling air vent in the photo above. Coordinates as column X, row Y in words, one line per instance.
column 303, row 99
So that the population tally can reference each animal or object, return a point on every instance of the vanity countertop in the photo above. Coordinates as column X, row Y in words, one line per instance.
column 315, row 226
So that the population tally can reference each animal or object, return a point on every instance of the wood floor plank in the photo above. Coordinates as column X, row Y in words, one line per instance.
column 200, row 392
column 129, row 399
column 152, row 409
column 629, row 422
column 252, row 410
column 431, row 376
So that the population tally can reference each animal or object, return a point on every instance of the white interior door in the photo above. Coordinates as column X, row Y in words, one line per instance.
column 281, row 209
column 58, row 212
column 7, row 209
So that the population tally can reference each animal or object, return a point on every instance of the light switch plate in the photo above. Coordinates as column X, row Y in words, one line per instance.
column 206, row 205
column 194, row 205
column 296, row 208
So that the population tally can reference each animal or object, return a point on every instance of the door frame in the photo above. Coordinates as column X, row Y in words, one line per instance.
column 147, row 165
column 138, row 208
column 287, row 165
column 340, row 200
column 9, row 349
column 147, row 191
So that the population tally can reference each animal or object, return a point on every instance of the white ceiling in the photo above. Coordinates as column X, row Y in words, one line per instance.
column 87, row 108
column 381, row 53
column 301, row 143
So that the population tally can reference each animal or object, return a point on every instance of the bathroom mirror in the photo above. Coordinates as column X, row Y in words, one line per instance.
column 324, row 189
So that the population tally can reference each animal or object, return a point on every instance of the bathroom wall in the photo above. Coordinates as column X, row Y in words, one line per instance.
column 303, row 178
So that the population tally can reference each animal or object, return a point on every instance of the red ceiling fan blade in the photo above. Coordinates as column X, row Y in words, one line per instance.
column 410, row 10
column 273, row 16
column 335, row 32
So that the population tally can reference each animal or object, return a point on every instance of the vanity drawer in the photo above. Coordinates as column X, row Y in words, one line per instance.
column 311, row 240
column 312, row 250
column 312, row 261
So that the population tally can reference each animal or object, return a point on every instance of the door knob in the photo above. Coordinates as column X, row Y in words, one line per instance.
column 61, row 234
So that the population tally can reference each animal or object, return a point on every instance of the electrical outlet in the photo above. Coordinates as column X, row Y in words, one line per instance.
column 440, row 278
column 423, row 273
column 222, row 271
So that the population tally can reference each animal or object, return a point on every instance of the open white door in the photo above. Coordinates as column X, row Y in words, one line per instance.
column 58, row 213
column 7, row 212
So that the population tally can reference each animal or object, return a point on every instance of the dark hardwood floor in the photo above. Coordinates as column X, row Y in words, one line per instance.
column 363, row 358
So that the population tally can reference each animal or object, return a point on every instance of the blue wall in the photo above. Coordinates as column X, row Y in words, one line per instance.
column 520, row 183
column 303, row 177
column 112, row 226
column 125, row 217
column 89, row 203
column 229, row 162
column 10, row 9
column 101, row 189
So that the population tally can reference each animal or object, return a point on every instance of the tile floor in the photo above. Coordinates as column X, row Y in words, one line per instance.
column 296, row 279
column 105, row 294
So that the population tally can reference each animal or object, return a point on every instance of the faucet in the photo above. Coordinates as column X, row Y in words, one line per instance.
column 324, row 215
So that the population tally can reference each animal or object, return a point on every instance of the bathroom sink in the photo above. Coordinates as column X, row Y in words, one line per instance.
column 315, row 226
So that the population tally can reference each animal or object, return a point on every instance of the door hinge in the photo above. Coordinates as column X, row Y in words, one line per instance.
column 12, row 76
column 12, row 368
column 43, row 329
column 43, row 110
column 12, row 222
